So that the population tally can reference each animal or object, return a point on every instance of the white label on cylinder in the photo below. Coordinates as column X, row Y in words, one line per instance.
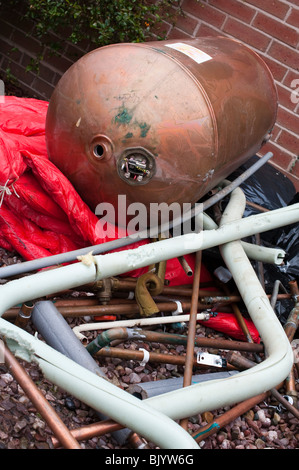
column 192, row 52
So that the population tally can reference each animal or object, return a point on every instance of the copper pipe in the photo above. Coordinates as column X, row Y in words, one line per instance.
column 24, row 315
column 41, row 404
column 91, row 430
column 136, row 442
column 185, row 265
column 290, row 328
column 256, row 206
column 242, row 323
column 243, row 363
column 292, row 322
column 285, row 403
column 130, row 309
column 290, row 387
column 238, row 361
column 121, row 334
column 228, row 417
column 203, row 342
column 76, row 308
column 192, row 329
column 100, row 429
column 236, row 411
column 240, row 319
column 128, row 354
column 129, row 284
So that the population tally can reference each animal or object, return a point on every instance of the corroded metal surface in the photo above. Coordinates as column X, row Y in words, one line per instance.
column 160, row 121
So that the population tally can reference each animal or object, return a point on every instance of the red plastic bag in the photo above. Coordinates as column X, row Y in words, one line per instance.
column 228, row 324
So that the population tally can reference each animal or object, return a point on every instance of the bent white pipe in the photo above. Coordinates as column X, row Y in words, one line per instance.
column 136, row 322
column 148, row 418
column 254, row 252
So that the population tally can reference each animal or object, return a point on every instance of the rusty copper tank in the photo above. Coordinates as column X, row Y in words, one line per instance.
column 159, row 121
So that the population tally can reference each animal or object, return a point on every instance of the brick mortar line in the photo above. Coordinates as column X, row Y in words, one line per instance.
column 261, row 53
column 289, row 67
column 286, row 87
column 288, row 14
column 34, row 91
column 283, row 170
column 255, row 14
column 290, row 4
column 195, row 29
column 224, row 22
column 55, row 36
column 227, row 16
column 211, row 6
column 278, row 135
column 22, row 51
column 269, row 47
column 33, row 56
column 288, row 152
column 35, row 77
column 19, row 64
column 246, row 24
column 281, row 129
column 263, row 32
column 54, row 69
column 293, row 48
column 260, row 10
column 288, row 110
column 16, row 28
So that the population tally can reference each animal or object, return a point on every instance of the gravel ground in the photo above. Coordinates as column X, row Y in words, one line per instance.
column 266, row 426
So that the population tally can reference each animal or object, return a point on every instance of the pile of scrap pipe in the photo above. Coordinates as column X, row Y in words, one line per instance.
column 154, row 417
column 60, row 163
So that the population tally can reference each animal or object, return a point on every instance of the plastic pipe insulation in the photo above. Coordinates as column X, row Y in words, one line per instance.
column 254, row 252
column 144, row 418
column 134, row 322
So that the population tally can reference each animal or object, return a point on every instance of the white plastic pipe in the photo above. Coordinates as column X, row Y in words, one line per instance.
column 148, row 418
column 135, row 322
column 125, row 261
column 254, row 252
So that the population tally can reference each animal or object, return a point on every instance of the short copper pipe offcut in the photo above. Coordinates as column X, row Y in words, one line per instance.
column 91, row 430
column 59, row 429
column 228, row 417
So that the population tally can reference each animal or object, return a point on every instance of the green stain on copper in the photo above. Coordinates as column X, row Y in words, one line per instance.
column 123, row 116
column 144, row 128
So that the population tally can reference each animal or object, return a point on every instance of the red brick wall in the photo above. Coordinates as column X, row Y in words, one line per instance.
column 18, row 47
column 270, row 27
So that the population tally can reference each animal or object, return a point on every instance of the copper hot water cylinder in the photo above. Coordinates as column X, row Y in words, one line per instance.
column 159, row 121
